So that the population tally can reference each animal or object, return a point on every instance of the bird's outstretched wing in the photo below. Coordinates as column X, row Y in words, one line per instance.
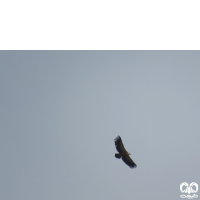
column 129, row 161
column 119, row 145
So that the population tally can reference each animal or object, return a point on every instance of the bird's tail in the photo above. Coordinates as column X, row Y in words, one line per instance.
column 117, row 155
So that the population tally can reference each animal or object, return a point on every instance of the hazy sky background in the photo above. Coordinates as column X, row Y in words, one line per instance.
column 61, row 110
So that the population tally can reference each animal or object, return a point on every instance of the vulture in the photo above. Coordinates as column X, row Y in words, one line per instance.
column 123, row 153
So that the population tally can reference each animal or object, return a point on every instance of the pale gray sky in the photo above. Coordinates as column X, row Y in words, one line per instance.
column 61, row 110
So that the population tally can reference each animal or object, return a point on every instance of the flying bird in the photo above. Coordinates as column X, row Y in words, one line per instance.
column 123, row 153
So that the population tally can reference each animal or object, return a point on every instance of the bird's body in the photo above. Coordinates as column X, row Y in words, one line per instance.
column 123, row 153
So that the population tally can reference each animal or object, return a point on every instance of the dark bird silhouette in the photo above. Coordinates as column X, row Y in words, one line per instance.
column 123, row 153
